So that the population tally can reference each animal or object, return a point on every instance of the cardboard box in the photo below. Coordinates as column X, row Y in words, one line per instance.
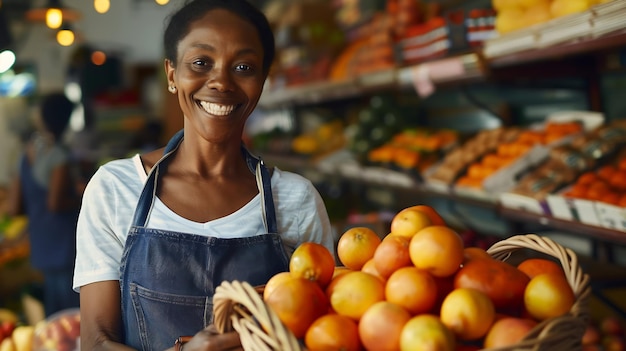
column 611, row 216
column 524, row 203
column 573, row 209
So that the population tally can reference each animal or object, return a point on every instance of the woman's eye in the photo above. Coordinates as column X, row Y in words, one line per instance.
column 243, row 68
column 199, row 63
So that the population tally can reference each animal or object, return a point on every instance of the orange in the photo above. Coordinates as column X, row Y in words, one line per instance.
column 297, row 302
column 275, row 281
column 314, row 262
column 370, row 268
column 535, row 266
column 426, row 332
column 333, row 332
column 587, row 178
column 381, row 325
column 409, row 221
column 356, row 246
column 548, row 295
column 469, row 313
column 508, row 331
column 354, row 292
column 473, row 252
column 438, row 250
column 413, row 289
column 502, row 282
column 339, row 270
column 391, row 254
column 435, row 217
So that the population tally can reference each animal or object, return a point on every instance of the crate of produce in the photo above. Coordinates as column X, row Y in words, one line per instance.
column 240, row 306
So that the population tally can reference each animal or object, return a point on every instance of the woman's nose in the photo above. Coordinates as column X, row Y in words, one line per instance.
column 220, row 80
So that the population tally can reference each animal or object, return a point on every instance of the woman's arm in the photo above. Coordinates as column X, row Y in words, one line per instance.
column 101, row 319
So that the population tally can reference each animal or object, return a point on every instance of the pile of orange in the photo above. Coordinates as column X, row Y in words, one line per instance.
column 606, row 184
column 418, row 288
column 509, row 152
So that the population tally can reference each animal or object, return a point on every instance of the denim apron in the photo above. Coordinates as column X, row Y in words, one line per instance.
column 168, row 278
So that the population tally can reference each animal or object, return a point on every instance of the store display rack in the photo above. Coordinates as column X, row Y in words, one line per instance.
column 596, row 30
column 464, row 68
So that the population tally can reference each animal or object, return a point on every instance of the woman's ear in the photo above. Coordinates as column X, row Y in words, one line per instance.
column 169, row 72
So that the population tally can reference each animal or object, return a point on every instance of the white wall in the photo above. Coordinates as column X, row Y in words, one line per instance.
column 131, row 27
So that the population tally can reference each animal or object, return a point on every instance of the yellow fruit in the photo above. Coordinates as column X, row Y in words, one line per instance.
column 7, row 344
column 381, row 325
column 314, row 262
column 501, row 5
column 275, row 281
column 561, row 8
column 548, row 295
column 537, row 13
column 509, row 20
column 413, row 289
column 409, row 221
column 354, row 292
column 426, row 332
column 438, row 250
column 356, row 246
column 468, row 313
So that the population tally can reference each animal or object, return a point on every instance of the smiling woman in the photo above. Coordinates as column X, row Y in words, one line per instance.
column 178, row 221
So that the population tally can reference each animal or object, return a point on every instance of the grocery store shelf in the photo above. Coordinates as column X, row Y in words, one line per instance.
column 578, row 47
column 462, row 67
column 577, row 228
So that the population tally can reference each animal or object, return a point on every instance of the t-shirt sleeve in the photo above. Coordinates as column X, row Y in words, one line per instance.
column 98, row 247
column 301, row 212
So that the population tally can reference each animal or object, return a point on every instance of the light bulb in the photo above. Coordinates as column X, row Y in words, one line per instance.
column 98, row 58
column 65, row 37
column 162, row 2
column 54, row 17
column 7, row 59
column 101, row 6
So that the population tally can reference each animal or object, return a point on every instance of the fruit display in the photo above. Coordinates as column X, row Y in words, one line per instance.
column 517, row 14
column 507, row 153
column 459, row 158
column 419, row 285
column 59, row 332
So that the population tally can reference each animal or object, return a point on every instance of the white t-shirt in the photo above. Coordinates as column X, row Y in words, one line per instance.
column 111, row 196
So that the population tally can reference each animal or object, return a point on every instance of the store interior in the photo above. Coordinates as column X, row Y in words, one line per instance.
column 492, row 117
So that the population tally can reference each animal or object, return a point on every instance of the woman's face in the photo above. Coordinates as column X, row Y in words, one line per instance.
column 219, row 75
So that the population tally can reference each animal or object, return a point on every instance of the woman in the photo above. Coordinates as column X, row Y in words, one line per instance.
column 48, row 194
column 158, row 232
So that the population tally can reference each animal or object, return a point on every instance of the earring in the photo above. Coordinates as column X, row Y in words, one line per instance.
column 172, row 89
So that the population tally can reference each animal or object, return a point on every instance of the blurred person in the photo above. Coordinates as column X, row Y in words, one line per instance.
column 45, row 191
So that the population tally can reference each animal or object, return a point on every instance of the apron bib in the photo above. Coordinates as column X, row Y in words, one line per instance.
column 168, row 278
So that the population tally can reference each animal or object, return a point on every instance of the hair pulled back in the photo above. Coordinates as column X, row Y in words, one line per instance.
column 179, row 22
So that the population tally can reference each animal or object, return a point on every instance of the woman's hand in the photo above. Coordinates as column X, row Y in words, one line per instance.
column 209, row 339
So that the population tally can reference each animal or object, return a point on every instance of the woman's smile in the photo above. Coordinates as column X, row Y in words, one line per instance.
column 217, row 109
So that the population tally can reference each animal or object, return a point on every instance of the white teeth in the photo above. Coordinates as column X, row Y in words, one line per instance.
column 217, row 109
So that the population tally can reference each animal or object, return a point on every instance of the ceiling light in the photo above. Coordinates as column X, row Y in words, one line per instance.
column 7, row 59
column 65, row 36
column 55, row 10
column 101, row 6
column 162, row 2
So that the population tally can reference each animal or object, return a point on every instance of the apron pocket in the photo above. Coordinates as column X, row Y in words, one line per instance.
column 167, row 316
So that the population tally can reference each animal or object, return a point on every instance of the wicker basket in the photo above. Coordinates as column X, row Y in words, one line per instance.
column 239, row 306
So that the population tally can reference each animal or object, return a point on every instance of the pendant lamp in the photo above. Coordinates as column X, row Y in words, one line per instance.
column 53, row 14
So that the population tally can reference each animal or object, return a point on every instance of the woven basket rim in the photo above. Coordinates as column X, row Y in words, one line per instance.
column 239, row 306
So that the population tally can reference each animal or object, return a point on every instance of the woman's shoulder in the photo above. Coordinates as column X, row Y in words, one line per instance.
column 121, row 169
column 289, row 180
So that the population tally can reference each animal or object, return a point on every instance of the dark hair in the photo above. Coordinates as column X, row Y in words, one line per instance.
column 180, row 21
column 56, row 110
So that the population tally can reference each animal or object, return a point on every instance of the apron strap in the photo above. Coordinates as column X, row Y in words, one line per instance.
column 256, row 165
